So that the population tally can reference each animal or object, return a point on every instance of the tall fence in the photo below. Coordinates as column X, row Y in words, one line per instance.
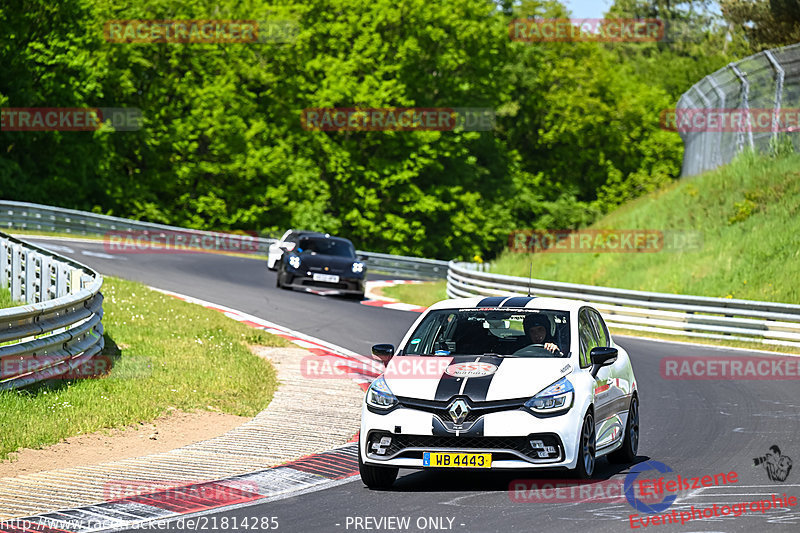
column 44, row 218
column 768, row 82
column 59, row 328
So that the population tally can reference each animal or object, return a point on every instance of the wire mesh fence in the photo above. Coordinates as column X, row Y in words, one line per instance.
column 751, row 104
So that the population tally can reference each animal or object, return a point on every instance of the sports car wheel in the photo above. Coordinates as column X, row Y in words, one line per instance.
column 377, row 477
column 627, row 453
column 586, row 460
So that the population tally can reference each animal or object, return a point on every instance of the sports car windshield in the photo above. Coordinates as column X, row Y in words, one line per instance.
column 544, row 333
column 326, row 246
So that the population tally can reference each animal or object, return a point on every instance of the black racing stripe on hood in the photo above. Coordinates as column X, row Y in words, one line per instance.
column 492, row 301
column 477, row 388
column 450, row 386
column 518, row 301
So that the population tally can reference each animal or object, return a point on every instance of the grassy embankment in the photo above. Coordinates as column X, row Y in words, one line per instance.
column 168, row 355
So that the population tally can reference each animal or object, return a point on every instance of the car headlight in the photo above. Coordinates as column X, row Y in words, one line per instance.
column 294, row 261
column 358, row 268
column 557, row 397
column 380, row 396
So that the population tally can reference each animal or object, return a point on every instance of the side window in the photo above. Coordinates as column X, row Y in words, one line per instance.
column 586, row 337
column 599, row 328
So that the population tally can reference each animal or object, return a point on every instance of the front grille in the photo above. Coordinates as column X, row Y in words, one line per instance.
column 522, row 445
column 476, row 409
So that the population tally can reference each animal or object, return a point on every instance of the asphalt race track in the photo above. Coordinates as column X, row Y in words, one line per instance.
column 697, row 428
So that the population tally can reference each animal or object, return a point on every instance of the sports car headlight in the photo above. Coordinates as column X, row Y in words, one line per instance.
column 294, row 261
column 557, row 397
column 358, row 268
column 379, row 396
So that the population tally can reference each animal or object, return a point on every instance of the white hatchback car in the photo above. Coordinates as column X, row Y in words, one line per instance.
column 500, row 383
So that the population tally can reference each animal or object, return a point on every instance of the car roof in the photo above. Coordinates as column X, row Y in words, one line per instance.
column 517, row 301
column 326, row 236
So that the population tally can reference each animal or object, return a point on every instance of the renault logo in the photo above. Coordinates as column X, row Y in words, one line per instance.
column 458, row 411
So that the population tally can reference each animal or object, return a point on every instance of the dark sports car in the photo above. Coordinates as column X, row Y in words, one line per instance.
column 323, row 262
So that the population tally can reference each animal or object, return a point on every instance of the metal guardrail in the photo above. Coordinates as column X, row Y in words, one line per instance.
column 36, row 217
column 671, row 314
column 769, row 80
column 59, row 328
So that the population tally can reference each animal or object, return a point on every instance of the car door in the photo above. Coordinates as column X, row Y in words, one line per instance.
column 609, row 394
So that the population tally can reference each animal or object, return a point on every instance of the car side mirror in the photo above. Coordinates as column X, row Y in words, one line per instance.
column 362, row 257
column 384, row 352
column 601, row 357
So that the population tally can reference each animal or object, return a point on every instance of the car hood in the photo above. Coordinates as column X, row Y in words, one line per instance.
column 336, row 264
column 480, row 378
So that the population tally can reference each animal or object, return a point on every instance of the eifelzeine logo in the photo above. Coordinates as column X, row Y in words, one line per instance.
column 398, row 119
column 181, row 31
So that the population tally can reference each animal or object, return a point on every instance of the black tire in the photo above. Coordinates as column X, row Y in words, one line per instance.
column 377, row 477
column 586, row 448
column 279, row 282
column 630, row 446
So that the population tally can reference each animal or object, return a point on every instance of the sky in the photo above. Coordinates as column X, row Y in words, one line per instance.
column 588, row 8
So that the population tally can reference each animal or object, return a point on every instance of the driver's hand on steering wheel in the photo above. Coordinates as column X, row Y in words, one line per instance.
column 550, row 347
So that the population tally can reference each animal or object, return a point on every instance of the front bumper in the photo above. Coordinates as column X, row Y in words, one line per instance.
column 345, row 285
column 507, row 435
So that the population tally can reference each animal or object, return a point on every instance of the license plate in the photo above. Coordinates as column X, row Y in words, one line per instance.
column 456, row 460
column 330, row 278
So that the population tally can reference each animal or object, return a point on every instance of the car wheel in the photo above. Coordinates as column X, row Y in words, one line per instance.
column 278, row 280
column 586, row 448
column 377, row 477
column 627, row 453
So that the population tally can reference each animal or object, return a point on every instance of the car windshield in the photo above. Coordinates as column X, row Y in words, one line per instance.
column 326, row 246
column 505, row 332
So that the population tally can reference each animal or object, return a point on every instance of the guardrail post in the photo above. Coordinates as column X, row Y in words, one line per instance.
column 45, row 280
column 74, row 281
column 16, row 273
column 30, row 276
column 5, row 267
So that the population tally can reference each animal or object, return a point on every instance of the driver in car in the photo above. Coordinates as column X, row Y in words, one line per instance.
column 537, row 329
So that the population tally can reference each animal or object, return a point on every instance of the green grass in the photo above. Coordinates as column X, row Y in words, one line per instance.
column 423, row 294
column 6, row 300
column 171, row 354
column 748, row 212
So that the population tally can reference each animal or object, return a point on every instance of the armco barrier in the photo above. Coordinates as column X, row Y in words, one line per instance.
column 671, row 314
column 59, row 328
column 36, row 217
